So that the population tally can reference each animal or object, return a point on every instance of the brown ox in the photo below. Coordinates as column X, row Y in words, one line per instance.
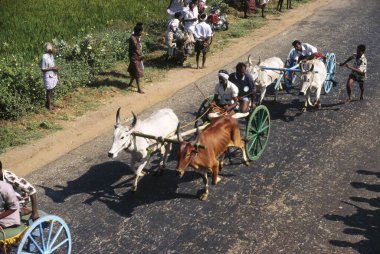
column 221, row 133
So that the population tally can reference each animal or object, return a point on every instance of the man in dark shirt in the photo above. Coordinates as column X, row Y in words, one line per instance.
column 245, row 83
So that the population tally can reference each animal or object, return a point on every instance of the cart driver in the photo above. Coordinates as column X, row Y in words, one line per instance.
column 304, row 52
column 226, row 93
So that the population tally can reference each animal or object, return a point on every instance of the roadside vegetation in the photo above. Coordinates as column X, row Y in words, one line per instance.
column 91, row 51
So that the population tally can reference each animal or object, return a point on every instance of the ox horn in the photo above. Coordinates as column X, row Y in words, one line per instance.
column 197, row 136
column 118, row 117
column 259, row 62
column 134, row 119
column 180, row 139
column 249, row 60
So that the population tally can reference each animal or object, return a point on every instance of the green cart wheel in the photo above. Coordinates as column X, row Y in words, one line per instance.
column 201, row 116
column 257, row 132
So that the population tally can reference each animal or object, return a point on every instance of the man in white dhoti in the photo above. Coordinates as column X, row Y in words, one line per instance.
column 49, row 74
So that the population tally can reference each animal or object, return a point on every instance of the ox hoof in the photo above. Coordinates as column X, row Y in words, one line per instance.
column 134, row 189
column 303, row 110
column 203, row 196
column 246, row 163
column 217, row 180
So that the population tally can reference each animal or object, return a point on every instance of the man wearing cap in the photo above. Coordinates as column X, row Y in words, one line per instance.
column 49, row 74
column 203, row 35
column 136, row 67
column 225, row 92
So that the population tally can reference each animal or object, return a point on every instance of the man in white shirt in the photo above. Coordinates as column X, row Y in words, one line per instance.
column 305, row 51
column 226, row 93
column 202, row 34
column 190, row 17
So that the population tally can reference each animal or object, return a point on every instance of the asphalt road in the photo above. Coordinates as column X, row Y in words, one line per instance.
column 315, row 189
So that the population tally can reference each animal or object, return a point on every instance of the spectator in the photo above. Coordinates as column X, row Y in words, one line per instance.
column 9, row 206
column 288, row 5
column 173, row 33
column 25, row 192
column 263, row 4
column 190, row 17
column 203, row 35
column 201, row 6
column 248, row 7
column 49, row 74
column 358, row 71
column 174, row 7
column 136, row 66
column 244, row 82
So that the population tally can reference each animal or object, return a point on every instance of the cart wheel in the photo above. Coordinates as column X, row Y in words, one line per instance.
column 330, row 67
column 202, row 111
column 257, row 133
column 49, row 234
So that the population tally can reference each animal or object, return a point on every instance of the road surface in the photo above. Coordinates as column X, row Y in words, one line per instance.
column 315, row 189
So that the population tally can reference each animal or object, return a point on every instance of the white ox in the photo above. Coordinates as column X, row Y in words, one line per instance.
column 161, row 123
column 313, row 76
column 263, row 78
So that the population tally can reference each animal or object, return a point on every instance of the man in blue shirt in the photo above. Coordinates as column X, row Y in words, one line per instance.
column 245, row 83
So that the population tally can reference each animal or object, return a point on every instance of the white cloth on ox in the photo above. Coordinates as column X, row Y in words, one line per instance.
column 50, row 78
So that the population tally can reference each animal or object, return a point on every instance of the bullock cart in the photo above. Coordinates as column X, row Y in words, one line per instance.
column 288, row 73
column 256, row 130
column 48, row 234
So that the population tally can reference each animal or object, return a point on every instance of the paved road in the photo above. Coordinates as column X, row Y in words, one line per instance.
column 315, row 190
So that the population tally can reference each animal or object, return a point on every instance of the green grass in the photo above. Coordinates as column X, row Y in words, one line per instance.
column 18, row 135
column 26, row 25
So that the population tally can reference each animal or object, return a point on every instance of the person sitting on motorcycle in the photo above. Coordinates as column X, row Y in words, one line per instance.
column 203, row 35
column 173, row 33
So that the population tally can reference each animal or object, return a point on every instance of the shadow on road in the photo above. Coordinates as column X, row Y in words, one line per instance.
column 364, row 222
column 105, row 183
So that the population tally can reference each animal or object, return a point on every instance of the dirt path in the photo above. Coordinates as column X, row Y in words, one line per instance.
column 25, row 159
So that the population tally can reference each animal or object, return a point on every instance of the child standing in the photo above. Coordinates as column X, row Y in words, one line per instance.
column 358, row 71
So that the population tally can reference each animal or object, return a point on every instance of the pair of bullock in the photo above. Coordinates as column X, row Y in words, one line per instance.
column 313, row 75
column 221, row 133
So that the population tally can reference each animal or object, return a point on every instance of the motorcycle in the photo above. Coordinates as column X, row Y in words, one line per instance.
column 217, row 20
